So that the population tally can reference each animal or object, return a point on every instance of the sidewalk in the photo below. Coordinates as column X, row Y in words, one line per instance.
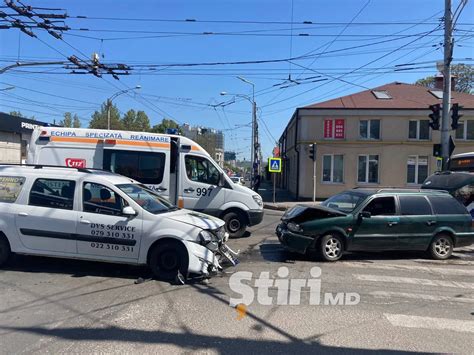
column 283, row 199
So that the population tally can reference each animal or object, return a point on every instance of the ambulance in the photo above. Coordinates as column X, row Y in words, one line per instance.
column 175, row 167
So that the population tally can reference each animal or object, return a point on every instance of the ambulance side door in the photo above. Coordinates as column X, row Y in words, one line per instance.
column 200, row 184
column 150, row 168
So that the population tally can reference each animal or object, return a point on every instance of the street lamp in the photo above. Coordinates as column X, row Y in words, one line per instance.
column 254, row 144
column 109, row 101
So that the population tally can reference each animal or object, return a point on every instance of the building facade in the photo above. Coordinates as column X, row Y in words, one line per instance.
column 374, row 138
column 210, row 139
column 15, row 134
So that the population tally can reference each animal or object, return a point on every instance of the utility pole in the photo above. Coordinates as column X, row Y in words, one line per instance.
column 448, row 56
column 109, row 103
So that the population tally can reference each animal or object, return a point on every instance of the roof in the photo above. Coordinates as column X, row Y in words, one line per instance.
column 403, row 96
column 10, row 123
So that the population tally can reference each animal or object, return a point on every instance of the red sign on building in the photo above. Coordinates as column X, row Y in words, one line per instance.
column 328, row 129
column 339, row 129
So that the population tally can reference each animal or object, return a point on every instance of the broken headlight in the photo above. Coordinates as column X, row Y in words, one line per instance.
column 293, row 227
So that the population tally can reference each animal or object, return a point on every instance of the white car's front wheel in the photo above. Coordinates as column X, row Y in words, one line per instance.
column 168, row 260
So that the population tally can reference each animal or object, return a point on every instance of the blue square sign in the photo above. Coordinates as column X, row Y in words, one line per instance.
column 274, row 165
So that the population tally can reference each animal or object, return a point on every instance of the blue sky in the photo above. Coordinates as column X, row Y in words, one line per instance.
column 407, row 29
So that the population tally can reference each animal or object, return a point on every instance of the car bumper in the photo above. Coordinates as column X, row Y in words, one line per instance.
column 203, row 261
column 255, row 217
column 292, row 241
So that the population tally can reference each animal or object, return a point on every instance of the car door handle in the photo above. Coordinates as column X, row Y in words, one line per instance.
column 23, row 214
column 85, row 221
column 161, row 189
column 430, row 223
column 189, row 190
column 391, row 224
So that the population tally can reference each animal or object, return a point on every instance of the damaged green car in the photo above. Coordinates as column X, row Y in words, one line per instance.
column 377, row 220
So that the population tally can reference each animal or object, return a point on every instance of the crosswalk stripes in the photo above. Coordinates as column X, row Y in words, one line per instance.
column 401, row 267
column 415, row 281
column 408, row 321
column 420, row 296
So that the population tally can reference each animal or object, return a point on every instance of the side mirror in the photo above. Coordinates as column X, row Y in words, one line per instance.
column 221, row 180
column 365, row 214
column 129, row 211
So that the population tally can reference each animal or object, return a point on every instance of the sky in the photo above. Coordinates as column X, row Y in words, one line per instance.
column 327, row 49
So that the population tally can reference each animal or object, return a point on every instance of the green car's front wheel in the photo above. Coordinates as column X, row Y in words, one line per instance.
column 331, row 247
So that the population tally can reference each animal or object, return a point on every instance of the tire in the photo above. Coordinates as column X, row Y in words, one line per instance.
column 441, row 247
column 5, row 250
column 331, row 247
column 167, row 260
column 235, row 224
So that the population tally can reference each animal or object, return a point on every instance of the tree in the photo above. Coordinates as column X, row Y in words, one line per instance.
column 99, row 118
column 16, row 114
column 67, row 121
column 464, row 79
column 136, row 121
column 76, row 123
column 164, row 125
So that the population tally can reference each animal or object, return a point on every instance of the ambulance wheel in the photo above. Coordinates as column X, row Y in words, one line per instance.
column 235, row 224
column 168, row 260
column 5, row 250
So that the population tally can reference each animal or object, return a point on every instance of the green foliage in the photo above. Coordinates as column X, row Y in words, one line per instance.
column 164, row 125
column 76, row 123
column 464, row 79
column 67, row 121
column 16, row 114
column 99, row 118
column 136, row 121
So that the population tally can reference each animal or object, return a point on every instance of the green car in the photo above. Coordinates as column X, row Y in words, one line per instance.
column 376, row 220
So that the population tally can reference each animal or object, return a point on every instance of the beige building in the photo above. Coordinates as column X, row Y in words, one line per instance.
column 374, row 138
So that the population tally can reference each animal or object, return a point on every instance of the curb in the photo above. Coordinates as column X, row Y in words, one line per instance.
column 275, row 208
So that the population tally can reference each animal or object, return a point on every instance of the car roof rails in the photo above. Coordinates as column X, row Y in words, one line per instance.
column 41, row 166
column 407, row 190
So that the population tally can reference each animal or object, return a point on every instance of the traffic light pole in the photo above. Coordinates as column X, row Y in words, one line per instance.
column 448, row 53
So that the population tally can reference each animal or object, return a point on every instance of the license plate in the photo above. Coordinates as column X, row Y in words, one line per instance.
column 224, row 250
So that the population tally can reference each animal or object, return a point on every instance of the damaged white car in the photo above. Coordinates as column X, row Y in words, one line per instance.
column 95, row 215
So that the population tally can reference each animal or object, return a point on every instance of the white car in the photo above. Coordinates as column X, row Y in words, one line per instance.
column 96, row 215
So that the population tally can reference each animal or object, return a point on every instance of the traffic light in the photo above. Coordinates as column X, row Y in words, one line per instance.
column 312, row 151
column 455, row 116
column 434, row 124
column 437, row 150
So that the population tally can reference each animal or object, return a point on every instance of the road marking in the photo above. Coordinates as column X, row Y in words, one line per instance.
column 415, row 281
column 457, row 325
column 433, row 270
column 386, row 294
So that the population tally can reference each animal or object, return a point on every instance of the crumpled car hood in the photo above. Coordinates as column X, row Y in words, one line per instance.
column 302, row 213
column 197, row 219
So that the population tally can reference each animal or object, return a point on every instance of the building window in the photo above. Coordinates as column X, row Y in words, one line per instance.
column 369, row 129
column 334, row 128
column 465, row 130
column 419, row 129
column 333, row 168
column 368, row 169
column 417, row 169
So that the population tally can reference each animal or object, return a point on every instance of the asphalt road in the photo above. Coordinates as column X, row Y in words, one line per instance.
column 407, row 303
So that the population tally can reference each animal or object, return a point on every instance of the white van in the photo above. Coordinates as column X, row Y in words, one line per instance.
column 174, row 166
column 97, row 215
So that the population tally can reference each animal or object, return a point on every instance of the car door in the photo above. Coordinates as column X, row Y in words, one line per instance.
column 380, row 230
column 47, row 223
column 417, row 222
column 103, row 232
column 200, row 190
column 149, row 168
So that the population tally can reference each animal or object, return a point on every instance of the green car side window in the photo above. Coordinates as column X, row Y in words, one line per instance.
column 381, row 206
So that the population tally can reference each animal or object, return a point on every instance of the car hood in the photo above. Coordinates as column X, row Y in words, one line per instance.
column 302, row 213
column 243, row 189
column 197, row 219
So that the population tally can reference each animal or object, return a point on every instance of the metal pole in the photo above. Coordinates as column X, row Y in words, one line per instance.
column 274, row 183
column 108, row 113
column 314, row 179
column 446, row 82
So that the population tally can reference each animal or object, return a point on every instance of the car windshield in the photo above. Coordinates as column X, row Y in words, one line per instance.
column 147, row 199
column 344, row 202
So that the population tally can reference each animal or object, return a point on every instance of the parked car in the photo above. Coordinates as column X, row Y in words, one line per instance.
column 91, row 214
column 237, row 180
column 372, row 220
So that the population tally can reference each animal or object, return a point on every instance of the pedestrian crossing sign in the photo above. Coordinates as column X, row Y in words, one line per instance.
column 274, row 165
